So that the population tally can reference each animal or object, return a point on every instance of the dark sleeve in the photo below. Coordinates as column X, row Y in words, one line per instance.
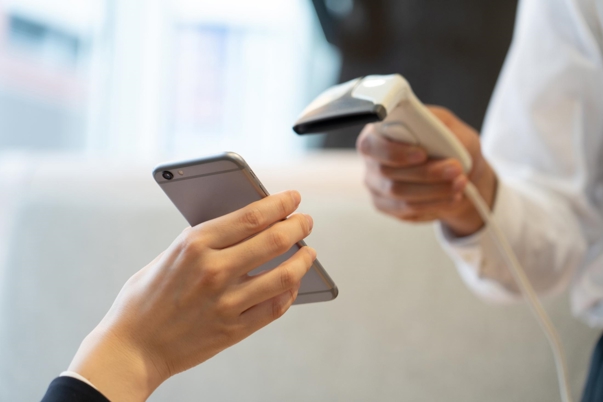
column 68, row 389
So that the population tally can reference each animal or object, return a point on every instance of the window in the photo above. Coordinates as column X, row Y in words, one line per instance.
column 159, row 78
column 44, row 60
column 191, row 78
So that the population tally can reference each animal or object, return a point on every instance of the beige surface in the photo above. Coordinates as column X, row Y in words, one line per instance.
column 404, row 327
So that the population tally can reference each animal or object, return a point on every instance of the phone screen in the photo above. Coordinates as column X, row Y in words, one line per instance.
column 206, row 189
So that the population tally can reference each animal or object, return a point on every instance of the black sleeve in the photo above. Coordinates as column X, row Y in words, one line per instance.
column 68, row 389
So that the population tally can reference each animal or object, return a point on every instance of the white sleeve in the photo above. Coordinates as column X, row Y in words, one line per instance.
column 543, row 136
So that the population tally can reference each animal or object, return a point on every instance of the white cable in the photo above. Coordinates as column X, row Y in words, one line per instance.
column 526, row 289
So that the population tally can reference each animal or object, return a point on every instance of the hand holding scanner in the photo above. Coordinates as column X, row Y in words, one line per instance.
column 387, row 99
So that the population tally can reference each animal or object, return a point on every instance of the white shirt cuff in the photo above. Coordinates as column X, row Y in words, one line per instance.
column 476, row 257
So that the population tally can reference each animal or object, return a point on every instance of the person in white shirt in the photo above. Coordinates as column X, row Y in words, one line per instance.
column 539, row 165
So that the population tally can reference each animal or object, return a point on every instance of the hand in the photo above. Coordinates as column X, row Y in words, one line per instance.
column 196, row 299
column 408, row 185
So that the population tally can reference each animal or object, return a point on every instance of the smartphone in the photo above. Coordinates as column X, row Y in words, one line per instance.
column 207, row 188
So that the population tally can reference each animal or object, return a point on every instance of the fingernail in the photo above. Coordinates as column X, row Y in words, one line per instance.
column 312, row 252
column 457, row 198
column 310, row 221
column 416, row 156
column 451, row 172
column 296, row 197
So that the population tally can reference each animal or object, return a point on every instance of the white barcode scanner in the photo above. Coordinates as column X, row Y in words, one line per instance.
column 386, row 98
column 389, row 99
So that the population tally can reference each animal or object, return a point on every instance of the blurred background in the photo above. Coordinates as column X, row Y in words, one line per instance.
column 152, row 79
column 94, row 93
column 155, row 78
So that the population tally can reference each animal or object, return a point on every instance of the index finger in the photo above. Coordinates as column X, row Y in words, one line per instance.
column 387, row 152
column 237, row 226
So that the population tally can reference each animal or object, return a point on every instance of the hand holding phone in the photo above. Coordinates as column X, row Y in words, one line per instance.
column 208, row 188
column 197, row 299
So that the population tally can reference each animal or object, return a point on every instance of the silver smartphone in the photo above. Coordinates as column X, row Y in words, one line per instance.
column 207, row 188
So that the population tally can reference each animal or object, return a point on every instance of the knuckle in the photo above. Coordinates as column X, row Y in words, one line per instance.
column 192, row 245
column 279, row 241
column 227, row 307
column 308, row 260
column 210, row 278
column 279, row 308
column 253, row 218
column 287, row 278
column 304, row 224
column 187, row 235
column 284, row 205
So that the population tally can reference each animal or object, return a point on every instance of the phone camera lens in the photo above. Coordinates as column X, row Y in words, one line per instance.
column 167, row 175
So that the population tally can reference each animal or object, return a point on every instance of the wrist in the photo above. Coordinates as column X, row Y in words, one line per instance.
column 467, row 221
column 117, row 369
